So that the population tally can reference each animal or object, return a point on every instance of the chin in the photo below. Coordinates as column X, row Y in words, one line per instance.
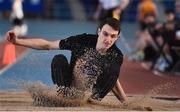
column 106, row 47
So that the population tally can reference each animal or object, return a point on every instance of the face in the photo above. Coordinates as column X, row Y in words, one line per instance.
column 150, row 19
column 169, row 17
column 107, row 36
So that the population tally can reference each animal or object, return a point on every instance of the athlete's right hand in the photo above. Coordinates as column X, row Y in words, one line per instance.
column 11, row 36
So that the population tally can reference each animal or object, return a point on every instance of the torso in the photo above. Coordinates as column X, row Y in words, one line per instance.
column 86, row 62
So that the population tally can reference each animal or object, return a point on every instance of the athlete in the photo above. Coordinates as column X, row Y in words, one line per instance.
column 95, row 57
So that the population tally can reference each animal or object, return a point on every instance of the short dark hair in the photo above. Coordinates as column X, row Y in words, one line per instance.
column 114, row 23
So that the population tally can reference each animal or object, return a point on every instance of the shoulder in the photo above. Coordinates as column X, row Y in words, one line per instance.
column 119, row 53
column 78, row 41
column 80, row 37
column 87, row 36
column 115, row 56
column 117, row 50
column 84, row 36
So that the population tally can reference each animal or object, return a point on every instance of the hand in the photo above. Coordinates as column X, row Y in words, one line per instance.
column 11, row 36
column 116, row 13
column 93, row 101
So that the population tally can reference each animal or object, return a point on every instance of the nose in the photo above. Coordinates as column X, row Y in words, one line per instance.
column 108, row 39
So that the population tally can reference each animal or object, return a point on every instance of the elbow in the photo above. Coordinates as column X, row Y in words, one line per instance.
column 48, row 45
column 45, row 47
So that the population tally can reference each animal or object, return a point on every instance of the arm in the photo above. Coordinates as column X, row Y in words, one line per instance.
column 39, row 44
column 124, row 4
column 97, row 12
column 117, row 12
column 119, row 92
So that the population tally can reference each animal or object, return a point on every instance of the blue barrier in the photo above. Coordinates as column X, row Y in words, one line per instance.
column 5, row 5
column 33, row 6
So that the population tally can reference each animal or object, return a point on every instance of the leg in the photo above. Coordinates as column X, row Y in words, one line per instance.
column 60, row 71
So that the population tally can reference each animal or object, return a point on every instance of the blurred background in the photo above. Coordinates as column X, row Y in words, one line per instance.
column 73, row 9
column 82, row 11
column 57, row 19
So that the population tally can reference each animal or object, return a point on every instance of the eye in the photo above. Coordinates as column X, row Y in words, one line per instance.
column 105, row 34
column 114, row 36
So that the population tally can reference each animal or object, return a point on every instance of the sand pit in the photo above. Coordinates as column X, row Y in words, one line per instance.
column 40, row 97
column 22, row 101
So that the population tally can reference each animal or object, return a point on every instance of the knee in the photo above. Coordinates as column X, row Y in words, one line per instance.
column 59, row 60
column 59, row 57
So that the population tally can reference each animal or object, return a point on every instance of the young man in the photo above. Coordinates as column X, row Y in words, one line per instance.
column 94, row 57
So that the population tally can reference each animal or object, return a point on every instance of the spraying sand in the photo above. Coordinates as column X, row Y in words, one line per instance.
column 41, row 97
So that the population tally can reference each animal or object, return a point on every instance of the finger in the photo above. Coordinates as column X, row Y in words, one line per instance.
column 11, row 35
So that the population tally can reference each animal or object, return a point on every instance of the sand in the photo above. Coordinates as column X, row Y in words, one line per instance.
column 22, row 101
column 39, row 97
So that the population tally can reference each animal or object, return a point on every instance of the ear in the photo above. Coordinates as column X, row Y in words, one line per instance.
column 99, row 30
column 119, row 35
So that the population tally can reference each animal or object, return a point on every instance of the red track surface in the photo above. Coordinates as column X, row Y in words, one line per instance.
column 138, row 81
